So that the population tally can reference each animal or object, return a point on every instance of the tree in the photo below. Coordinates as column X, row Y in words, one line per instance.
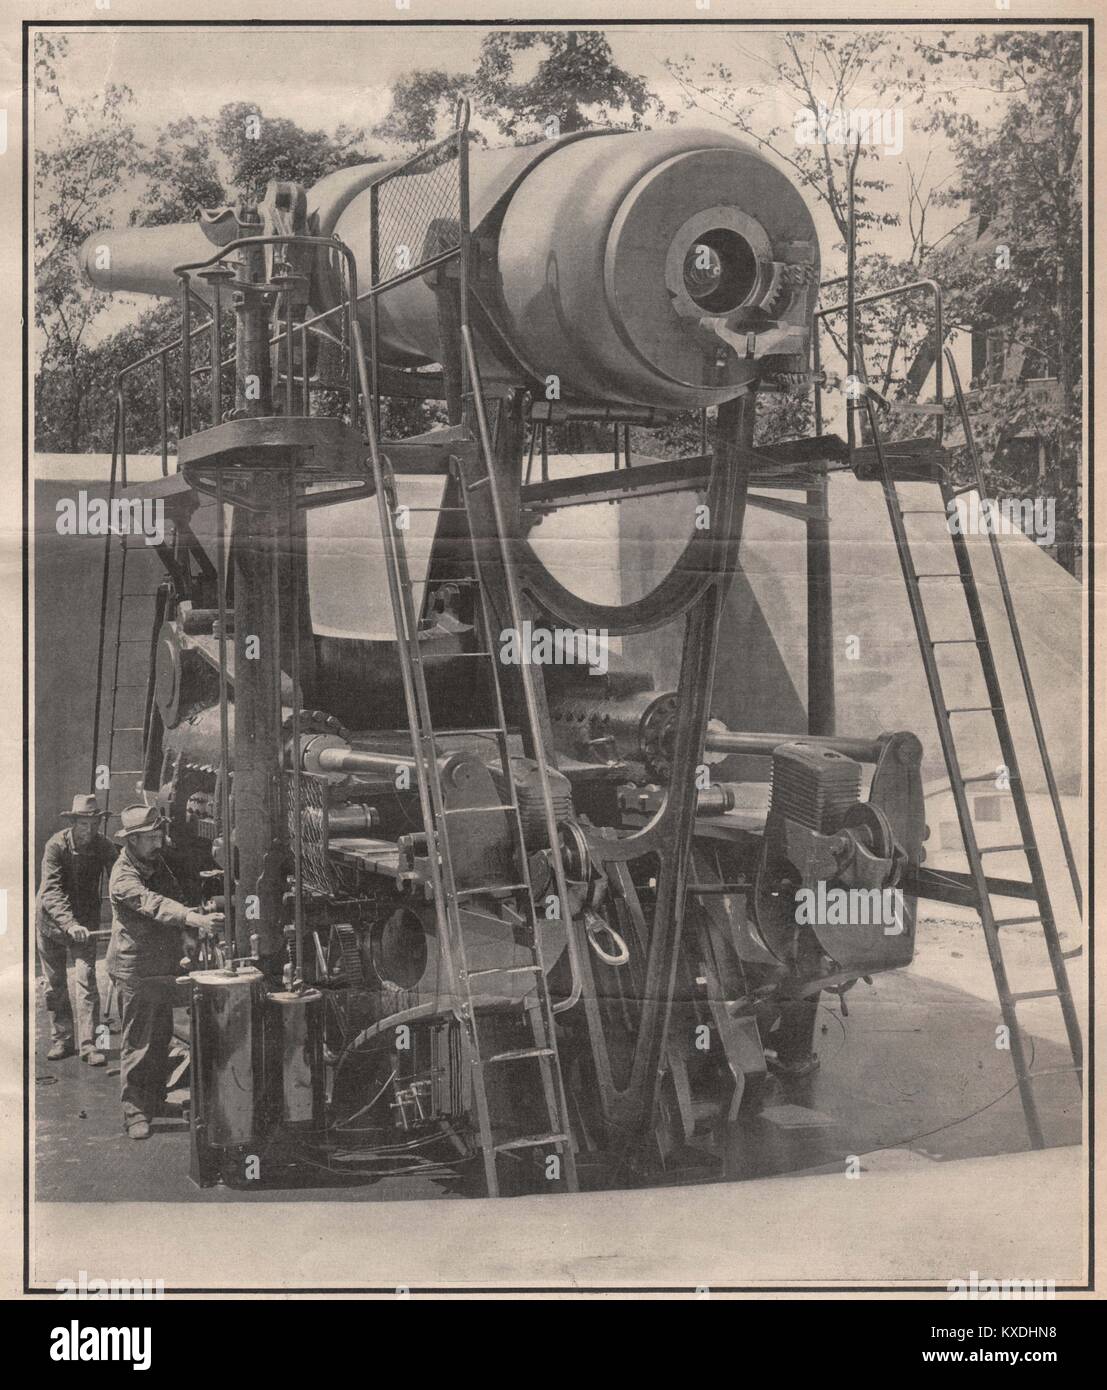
column 206, row 161
column 576, row 84
column 78, row 181
column 422, row 106
column 1018, row 276
column 810, row 78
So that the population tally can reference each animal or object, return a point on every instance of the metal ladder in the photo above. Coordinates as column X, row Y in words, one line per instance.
column 481, row 1063
column 137, row 674
column 959, row 782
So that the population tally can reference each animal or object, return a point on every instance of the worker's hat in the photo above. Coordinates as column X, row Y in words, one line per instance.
column 83, row 806
column 136, row 820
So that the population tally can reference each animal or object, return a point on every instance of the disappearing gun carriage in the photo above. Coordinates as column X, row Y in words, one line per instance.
column 493, row 922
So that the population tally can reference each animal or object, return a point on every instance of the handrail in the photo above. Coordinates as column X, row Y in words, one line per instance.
column 284, row 332
column 912, row 287
column 267, row 239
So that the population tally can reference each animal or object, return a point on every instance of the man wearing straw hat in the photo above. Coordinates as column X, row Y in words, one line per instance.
column 68, row 912
column 144, row 959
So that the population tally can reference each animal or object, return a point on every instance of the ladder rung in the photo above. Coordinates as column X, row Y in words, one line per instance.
column 1035, row 994
column 519, row 1054
column 457, row 654
column 988, row 777
column 449, row 579
column 491, row 888
column 127, row 729
column 126, row 772
column 1056, row 1071
column 1001, row 849
column 531, row 1141
column 534, row 969
column 975, row 709
column 956, row 642
column 465, row 733
column 1013, row 921
column 948, row 575
column 475, row 810
column 923, row 511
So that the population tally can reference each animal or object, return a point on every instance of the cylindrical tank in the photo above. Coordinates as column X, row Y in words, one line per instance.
column 606, row 260
column 297, row 1022
column 227, row 1049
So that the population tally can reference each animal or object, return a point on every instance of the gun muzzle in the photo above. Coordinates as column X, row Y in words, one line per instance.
column 140, row 260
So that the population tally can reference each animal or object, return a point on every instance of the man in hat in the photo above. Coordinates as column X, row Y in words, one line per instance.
column 144, row 961
column 68, row 912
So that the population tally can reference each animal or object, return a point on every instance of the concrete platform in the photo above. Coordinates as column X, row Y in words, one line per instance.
column 1016, row 1216
column 911, row 1086
column 913, row 1067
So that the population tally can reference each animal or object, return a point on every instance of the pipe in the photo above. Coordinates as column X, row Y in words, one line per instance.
column 358, row 760
column 864, row 750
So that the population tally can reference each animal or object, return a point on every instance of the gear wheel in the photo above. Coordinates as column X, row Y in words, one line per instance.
column 349, row 955
column 787, row 279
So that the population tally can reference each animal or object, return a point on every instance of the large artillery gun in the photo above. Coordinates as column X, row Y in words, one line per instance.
column 494, row 916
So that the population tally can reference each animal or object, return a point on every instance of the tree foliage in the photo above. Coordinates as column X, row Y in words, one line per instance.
column 575, row 83
column 1017, row 273
column 212, row 161
column 77, row 182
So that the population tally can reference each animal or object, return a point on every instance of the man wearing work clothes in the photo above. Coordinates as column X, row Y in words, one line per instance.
column 68, row 912
column 144, row 959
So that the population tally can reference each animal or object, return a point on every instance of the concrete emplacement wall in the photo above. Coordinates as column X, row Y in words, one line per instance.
column 616, row 553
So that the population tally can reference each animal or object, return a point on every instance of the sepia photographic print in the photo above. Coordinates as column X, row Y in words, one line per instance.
column 558, row 570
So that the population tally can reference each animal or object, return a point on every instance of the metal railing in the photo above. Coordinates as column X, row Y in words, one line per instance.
column 283, row 291
column 855, row 364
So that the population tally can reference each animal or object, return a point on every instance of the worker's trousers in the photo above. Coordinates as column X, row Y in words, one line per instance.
column 54, row 956
column 146, row 1009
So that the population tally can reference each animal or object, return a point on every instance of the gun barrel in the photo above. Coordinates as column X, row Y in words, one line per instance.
column 140, row 260
column 663, row 269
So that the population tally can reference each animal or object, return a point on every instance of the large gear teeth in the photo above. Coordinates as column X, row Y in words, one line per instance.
column 786, row 280
column 352, row 970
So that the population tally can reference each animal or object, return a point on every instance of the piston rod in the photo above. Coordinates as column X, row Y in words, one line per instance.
column 864, row 750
